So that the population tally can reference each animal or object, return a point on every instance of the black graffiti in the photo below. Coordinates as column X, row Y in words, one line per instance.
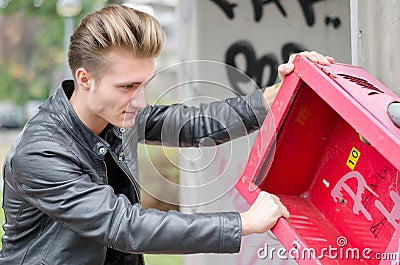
column 258, row 8
column 335, row 22
column 367, row 199
column 308, row 10
column 289, row 49
column 226, row 7
column 255, row 67
column 306, row 7
column 373, row 90
column 376, row 228
column 374, row 183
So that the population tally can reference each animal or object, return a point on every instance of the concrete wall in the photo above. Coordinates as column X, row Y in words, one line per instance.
column 376, row 39
column 257, row 39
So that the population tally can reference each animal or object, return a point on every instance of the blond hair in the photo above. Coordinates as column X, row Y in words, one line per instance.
column 114, row 26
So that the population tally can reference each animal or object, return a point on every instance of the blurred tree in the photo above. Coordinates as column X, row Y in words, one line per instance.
column 31, row 47
column 118, row 2
column 31, row 65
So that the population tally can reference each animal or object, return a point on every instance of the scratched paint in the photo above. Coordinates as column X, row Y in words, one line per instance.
column 392, row 216
column 358, row 207
column 397, row 260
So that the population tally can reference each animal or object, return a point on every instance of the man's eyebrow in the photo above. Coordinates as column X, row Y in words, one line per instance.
column 128, row 83
column 137, row 82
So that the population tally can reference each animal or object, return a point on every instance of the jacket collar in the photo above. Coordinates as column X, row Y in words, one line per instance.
column 74, row 125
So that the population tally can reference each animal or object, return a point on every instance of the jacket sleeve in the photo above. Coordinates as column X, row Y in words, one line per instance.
column 50, row 178
column 207, row 124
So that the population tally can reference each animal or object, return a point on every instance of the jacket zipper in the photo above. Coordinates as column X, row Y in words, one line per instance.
column 126, row 174
column 123, row 170
column 133, row 185
column 105, row 167
column 121, row 155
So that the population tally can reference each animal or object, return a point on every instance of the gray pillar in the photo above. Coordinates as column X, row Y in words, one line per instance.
column 68, row 30
column 376, row 39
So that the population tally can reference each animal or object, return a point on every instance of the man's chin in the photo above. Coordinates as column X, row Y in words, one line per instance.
column 127, row 124
column 128, row 121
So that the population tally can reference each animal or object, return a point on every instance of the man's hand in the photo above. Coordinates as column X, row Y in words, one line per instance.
column 287, row 68
column 263, row 214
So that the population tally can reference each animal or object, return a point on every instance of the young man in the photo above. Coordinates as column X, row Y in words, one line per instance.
column 69, row 196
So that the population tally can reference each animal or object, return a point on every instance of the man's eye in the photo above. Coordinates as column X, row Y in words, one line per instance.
column 127, row 86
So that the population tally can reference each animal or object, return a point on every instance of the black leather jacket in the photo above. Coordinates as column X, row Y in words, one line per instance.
column 71, row 198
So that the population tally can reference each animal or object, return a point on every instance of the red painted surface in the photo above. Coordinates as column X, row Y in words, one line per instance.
column 335, row 185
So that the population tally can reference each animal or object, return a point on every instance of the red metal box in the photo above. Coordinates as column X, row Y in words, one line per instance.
column 329, row 150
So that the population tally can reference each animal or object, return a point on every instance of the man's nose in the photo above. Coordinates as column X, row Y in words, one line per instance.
column 138, row 100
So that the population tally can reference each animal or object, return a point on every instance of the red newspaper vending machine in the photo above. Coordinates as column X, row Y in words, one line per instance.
column 329, row 150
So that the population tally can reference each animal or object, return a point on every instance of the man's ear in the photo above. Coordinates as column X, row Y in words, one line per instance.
column 83, row 78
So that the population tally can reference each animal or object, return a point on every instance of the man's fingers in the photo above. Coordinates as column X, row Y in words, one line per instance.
column 282, row 71
column 317, row 57
column 330, row 59
column 285, row 69
column 320, row 58
column 285, row 213
column 282, row 208
column 313, row 56
column 292, row 57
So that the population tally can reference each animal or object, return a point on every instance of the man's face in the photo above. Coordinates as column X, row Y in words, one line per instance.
column 119, row 94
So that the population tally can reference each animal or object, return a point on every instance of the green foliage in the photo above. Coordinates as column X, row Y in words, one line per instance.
column 163, row 259
column 2, row 219
column 31, row 48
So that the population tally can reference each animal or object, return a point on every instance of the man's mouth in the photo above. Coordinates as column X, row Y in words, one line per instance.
column 130, row 113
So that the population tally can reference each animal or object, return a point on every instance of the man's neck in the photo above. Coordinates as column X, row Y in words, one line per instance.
column 94, row 123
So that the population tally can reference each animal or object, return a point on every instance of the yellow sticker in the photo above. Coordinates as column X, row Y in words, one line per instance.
column 302, row 115
column 353, row 158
